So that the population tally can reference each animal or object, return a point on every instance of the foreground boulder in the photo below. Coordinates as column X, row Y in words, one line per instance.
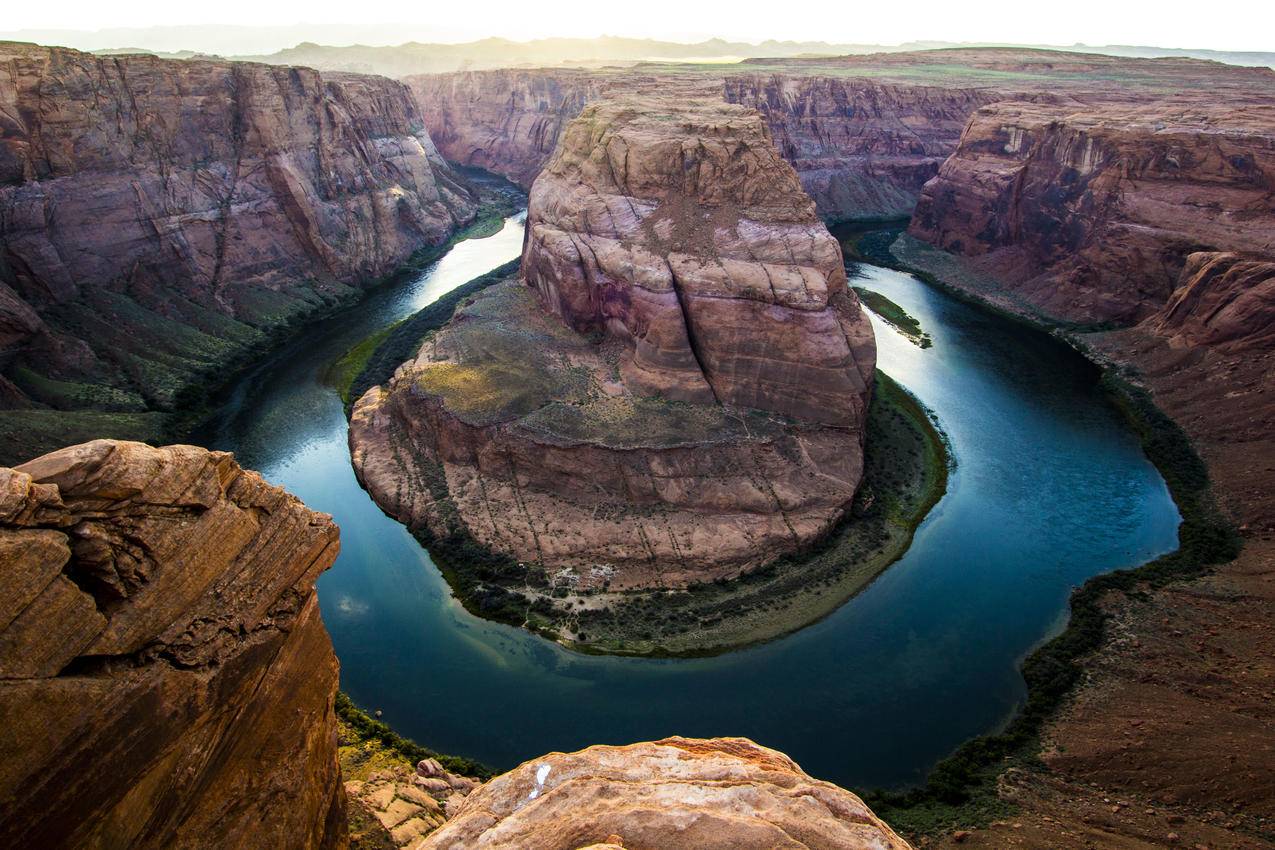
column 716, row 794
column 165, row 678
column 677, row 392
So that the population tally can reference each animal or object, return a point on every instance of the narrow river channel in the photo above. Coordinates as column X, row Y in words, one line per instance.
column 1049, row 489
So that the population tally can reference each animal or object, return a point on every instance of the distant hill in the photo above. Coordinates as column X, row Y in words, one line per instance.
column 418, row 58
column 319, row 48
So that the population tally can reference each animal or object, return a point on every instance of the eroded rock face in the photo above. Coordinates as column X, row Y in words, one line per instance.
column 165, row 679
column 508, row 121
column 1091, row 213
column 726, row 793
column 861, row 149
column 1222, row 300
column 679, row 230
column 675, row 394
column 158, row 216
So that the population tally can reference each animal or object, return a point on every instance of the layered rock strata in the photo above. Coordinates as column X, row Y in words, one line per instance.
column 1091, row 214
column 159, row 217
column 864, row 132
column 726, row 793
column 165, row 679
column 675, row 394
column 862, row 150
column 507, row 122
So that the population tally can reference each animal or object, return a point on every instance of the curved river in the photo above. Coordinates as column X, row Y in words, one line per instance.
column 1049, row 489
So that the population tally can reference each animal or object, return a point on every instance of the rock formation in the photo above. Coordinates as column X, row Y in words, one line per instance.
column 160, row 217
column 1223, row 300
column 508, row 121
column 678, row 392
column 726, row 793
column 1090, row 214
column 165, row 679
column 864, row 132
column 863, row 149
column 400, row 805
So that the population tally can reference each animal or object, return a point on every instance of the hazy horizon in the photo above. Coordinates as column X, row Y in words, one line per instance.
column 246, row 28
column 245, row 41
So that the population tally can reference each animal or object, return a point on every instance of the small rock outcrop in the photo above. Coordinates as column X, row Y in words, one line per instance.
column 165, row 678
column 1222, row 300
column 1089, row 213
column 715, row 794
column 677, row 391
column 401, row 805
column 158, row 218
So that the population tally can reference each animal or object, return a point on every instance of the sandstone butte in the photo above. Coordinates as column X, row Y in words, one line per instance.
column 166, row 682
column 158, row 218
column 674, row 392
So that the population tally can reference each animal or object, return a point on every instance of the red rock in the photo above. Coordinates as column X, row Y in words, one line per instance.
column 685, row 398
column 158, row 217
column 1223, row 300
column 716, row 794
column 1091, row 213
column 166, row 679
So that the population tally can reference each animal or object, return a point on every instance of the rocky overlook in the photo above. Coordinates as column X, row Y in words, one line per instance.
column 1091, row 213
column 165, row 678
column 726, row 793
column 166, row 681
column 158, row 218
column 676, row 390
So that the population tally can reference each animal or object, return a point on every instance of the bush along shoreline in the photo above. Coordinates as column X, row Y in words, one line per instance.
column 368, row 729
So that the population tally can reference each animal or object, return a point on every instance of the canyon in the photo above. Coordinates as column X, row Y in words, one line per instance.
column 161, row 219
column 865, row 133
column 673, row 390
column 676, row 390
column 167, row 682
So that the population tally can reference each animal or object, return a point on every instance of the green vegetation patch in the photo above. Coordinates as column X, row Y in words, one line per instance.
column 898, row 318
column 402, row 340
column 366, row 740
column 27, row 434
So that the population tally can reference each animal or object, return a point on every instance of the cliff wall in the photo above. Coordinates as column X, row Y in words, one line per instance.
column 1091, row 214
column 159, row 217
column 165, row 678
column 862, row 149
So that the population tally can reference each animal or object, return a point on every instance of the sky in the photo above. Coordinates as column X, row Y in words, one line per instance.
column 1220, row 24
